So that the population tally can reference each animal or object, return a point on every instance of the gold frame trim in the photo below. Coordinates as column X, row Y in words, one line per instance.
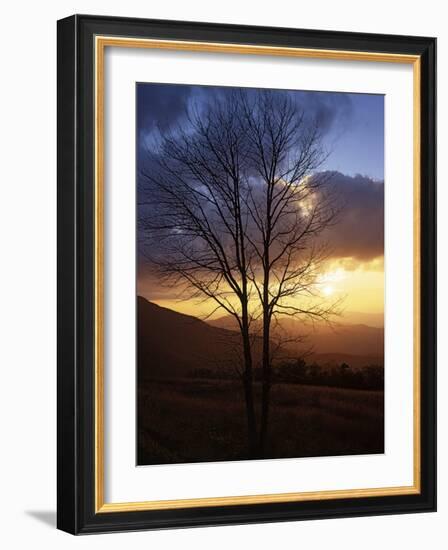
column 101, row 42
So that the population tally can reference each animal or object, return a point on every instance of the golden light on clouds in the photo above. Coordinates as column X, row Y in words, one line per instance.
column 359, row 286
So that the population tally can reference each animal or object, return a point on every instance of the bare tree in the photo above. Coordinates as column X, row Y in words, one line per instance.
column 290, row 210
column 233, row 211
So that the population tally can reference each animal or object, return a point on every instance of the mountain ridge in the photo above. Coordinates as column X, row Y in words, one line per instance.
column 172, row 344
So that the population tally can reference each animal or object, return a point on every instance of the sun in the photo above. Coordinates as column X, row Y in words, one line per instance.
column 331, row 281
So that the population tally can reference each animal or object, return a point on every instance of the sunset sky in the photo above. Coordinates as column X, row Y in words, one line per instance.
column 353, row 128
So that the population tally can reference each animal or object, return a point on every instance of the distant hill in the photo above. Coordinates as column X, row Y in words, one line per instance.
column 171, row 344
column 345, row 342
column 363, row 318
column 375, row 320
column 359, row 340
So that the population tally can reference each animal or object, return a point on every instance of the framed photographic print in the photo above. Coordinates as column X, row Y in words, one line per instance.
column 246, row 274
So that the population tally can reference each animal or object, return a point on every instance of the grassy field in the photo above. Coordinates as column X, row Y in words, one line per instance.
column 198, row 420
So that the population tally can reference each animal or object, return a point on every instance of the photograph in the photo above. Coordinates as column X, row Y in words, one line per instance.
column 260, row 273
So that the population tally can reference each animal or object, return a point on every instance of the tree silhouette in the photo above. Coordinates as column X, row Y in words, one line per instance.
column 231, row 211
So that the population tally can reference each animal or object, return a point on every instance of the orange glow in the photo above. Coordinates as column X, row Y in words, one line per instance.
column 359, row 286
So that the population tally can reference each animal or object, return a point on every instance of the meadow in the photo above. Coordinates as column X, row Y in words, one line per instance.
column 197, row 420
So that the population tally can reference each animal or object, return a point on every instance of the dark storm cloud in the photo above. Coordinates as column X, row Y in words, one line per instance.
column 327, row 109
column 165, row 105
column 359, row 232
column 160, row 105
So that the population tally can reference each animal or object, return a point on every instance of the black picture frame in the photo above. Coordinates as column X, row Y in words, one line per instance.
column 76, row 286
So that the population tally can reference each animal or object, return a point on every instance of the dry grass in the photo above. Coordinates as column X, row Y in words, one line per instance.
column 198, row 420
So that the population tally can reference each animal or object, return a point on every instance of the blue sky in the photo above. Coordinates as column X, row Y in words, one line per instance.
column 358, row 148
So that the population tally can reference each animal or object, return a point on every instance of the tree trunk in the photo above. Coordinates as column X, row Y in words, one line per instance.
column 266, row 384
column 266, row 360
column 250, row 415
column 248, row 386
